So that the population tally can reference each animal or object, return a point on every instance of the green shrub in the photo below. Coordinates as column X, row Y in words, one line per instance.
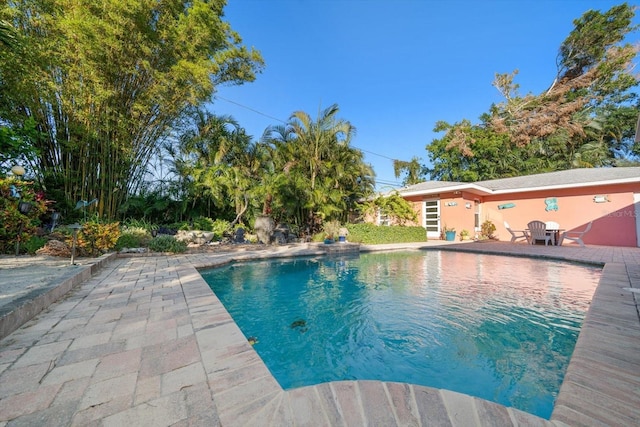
column 95, row 237
column 331, row 229
column 488, row 230
column 219, row 228
column 133, row 237
column 375, row 234
column 176, row 226
column 34, row 243
column 165, row 243
column 133, row 223
column 11, row 220
column 203, row 223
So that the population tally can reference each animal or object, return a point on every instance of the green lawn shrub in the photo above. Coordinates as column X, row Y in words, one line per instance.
column 34, row 243
column 372, row 234
column 133, row 237
column 166, row 243
column 219, row 228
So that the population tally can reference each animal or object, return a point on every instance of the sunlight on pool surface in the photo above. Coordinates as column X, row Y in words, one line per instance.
column 500, row 328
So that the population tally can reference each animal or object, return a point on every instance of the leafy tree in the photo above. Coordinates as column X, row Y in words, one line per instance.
column 413, row 170
column 106, row 81
column 393, row 205
column 584, row 119
column 316, row 175
column 15, row 145
column 485, row 155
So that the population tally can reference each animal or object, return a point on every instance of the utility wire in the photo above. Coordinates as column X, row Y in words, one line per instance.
column 382, row 181
column 282, row 121
column 250, row 109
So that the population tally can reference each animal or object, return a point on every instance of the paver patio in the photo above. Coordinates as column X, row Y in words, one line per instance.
column 144, row 341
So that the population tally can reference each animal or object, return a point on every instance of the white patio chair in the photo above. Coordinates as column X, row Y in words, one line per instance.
column 576, row 236
column 552, row 225
column 516, row 234
column 553, row 228
column 538, row 231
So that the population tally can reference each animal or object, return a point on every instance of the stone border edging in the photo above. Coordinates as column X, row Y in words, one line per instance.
column 25, row 308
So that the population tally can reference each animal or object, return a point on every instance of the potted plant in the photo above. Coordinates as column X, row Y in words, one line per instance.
column 342, row 235
column 449, row 233
column 331, row 231
column 488, row 230
column 464, row 235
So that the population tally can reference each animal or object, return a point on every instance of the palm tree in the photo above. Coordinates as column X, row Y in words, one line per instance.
column 7, row 34
column 206, row 157
column 318, row 175
column 316, row 141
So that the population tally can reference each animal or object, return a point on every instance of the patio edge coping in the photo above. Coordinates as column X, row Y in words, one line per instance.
column 18, row 312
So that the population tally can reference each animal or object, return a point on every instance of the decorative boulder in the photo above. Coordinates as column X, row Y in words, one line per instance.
column 196, row 236
column 264, row 227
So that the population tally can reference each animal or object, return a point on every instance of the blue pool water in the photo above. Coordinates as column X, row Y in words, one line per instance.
column 499, row 328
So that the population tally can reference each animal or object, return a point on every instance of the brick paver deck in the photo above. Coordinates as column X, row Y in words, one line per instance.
column 144, row 341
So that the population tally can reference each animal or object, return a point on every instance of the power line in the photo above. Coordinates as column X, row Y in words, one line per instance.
column 394, row 183
column 250, row 109
column 282, row 121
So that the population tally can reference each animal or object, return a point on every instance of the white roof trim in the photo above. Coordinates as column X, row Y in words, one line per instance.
column 448, row 189
column 488, row 191
column 563, row 186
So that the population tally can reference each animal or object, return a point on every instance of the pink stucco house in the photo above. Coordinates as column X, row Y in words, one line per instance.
column 609, row 197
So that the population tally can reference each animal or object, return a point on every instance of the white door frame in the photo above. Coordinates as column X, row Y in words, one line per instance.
column 432, row 232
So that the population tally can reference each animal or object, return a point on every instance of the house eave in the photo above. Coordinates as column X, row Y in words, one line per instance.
column 472, row 188
column 568, row 186
column 484, row 191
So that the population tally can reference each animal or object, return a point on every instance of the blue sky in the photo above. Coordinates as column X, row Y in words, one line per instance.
column 394, row 67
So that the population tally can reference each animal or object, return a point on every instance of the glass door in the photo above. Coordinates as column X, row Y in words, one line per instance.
column 431, row 218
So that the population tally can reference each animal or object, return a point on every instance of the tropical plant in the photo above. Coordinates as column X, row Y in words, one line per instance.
column 95, row 237
column 446, row 229
column 314, row 174
column 17, row 225
column 34, row 243
column 221, row 165
column 7, row 34
column 138, row 224
column 105, row 83
column 488, row 230
column 393, row 205
column 166, row 243
column 133, row 237
column 331, row 229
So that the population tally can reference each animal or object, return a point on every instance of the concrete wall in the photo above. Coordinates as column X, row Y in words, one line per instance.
column 614, row 219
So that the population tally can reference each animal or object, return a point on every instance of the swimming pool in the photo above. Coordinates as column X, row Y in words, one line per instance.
column 500, row 328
